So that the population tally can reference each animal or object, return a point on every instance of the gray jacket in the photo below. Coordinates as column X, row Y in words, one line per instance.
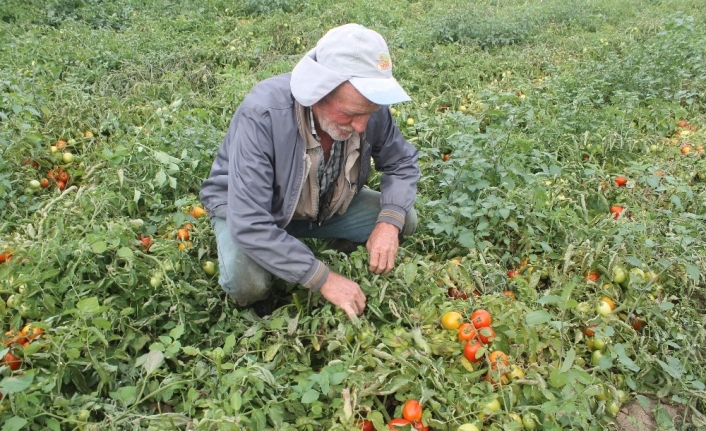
column 256, row 179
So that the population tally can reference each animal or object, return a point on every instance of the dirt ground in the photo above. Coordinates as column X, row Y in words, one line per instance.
column 633, row 417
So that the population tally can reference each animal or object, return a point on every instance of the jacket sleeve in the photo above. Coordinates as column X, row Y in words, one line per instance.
column 397, row 159
column 250, row 195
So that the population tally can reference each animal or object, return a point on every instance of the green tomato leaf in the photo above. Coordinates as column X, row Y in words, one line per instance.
column 99, row 247
column 537, row 318
column 17, row 384
column 310, row 396
column 14, row 424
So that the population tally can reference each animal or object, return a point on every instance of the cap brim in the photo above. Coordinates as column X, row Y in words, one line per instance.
column 381, row 91
column 312, row 81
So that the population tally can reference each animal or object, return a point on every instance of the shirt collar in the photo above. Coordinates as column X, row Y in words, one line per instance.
column 313, row 125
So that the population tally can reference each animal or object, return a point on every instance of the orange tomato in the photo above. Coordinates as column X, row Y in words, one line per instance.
column 466, row 332
column 498, row 357
column 183, row 234
column 510, row 294
column 412, row 410
column 197, row 212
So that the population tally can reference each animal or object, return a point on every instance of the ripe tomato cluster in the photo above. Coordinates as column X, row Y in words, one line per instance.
column 21, row 338
column 477, row 335
column 57, row 176
column 411, row 415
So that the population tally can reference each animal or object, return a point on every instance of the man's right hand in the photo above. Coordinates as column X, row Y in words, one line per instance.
column 345, row 294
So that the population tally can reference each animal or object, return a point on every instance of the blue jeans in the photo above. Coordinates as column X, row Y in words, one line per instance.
column 248, row 282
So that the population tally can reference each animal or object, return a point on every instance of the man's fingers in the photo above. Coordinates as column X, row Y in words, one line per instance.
column 374, row 262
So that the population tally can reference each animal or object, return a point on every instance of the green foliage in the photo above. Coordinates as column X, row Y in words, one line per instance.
column 560, row 99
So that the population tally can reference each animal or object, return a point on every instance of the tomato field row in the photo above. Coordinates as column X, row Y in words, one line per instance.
column 556, row 280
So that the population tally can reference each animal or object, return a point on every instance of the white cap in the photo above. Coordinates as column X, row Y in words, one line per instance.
column 351, row 53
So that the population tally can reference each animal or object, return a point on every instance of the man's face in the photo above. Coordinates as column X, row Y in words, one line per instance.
column 343, row 112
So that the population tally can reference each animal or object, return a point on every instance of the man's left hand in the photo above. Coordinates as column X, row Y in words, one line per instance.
column 382, row 247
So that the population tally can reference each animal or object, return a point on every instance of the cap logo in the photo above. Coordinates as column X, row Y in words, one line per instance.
column 384, row 63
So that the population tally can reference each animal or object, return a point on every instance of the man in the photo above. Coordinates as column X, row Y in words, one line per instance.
column 293, row 165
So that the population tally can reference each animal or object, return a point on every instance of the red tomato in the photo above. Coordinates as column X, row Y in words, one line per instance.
column 446, row 157
column 682, row 123
column 638, row 323
column 616, row 210
column 481, row 319
column 412, row 410
column 365, row 425
column 621, row 180
column 592, row 275
column 469, row 351
column 511, row 273
column 397, row 423
column 4, row 257
column 12, row 361
column 486, row 335
column 466, row 332
column 589, row 330
column 146, row 242
column 418, row 425
column 63, row 176
column 44, row 182
column 61, row 185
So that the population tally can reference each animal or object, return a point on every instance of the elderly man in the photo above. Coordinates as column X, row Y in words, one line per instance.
column 293, row 165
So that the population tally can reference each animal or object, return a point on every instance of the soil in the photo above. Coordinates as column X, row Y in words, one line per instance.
column 633, row 417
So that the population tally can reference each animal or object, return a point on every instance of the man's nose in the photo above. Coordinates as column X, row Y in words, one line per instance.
column 359, row 123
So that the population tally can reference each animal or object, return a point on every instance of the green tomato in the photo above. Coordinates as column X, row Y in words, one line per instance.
column 468, row 427
column 83, row 415
column 155, row 282
column 596, row 357
column 209, row 267
column 493, row 406
column 603, row 308
column 67, row 157
column 613, row 408
column 528, row 422
column 619, row 275
column 600, row 343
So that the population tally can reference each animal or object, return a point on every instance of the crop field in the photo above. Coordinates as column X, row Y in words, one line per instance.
column 562, row 211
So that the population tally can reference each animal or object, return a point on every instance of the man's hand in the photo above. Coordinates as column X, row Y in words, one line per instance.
column 345, row 294
column 382, row 247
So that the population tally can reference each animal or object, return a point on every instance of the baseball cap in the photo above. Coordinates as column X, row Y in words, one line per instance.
column 351, row 53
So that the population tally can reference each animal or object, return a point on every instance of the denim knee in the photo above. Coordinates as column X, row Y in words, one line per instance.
column 240, row 276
